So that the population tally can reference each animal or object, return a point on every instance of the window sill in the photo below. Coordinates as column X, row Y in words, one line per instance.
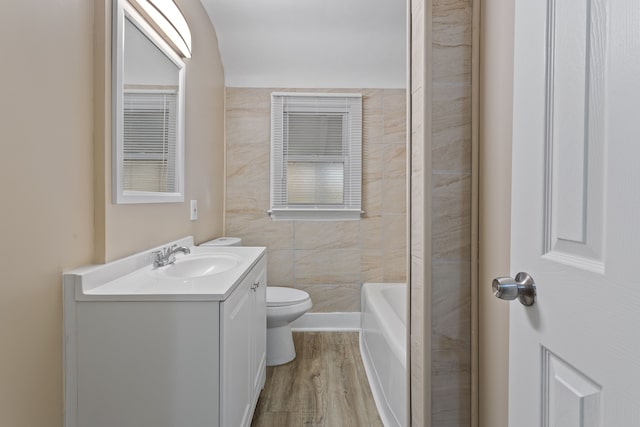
column 315, row 214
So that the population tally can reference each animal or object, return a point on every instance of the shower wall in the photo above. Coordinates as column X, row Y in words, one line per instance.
column 441, row 204
column 328, row 259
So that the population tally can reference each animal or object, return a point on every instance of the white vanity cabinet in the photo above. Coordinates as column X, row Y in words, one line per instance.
column 243, row 349
column 189, row 358
column 259, row 325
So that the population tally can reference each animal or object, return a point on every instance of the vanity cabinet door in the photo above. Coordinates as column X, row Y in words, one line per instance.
column 259, row 325
column 236, row 356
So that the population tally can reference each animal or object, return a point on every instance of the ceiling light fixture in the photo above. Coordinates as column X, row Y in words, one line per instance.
column 168, row 21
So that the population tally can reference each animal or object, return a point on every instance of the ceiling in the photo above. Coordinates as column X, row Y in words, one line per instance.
column 311, row 43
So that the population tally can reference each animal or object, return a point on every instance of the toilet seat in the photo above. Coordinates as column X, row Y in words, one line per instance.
column 281, row 297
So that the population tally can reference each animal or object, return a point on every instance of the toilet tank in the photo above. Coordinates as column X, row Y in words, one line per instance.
column 223, row 241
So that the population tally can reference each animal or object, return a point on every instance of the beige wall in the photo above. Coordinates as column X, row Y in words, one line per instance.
column 46, row 219
column 495, row 204
column 441, row 212
column 49, row 221
column 328, row 259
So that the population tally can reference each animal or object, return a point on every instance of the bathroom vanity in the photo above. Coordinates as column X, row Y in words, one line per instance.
column 181, row 345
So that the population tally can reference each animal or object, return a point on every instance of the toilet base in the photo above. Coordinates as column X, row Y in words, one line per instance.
column 280, row 349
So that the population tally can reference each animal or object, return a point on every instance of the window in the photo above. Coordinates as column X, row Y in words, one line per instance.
column 316, row 156
column 150, row 140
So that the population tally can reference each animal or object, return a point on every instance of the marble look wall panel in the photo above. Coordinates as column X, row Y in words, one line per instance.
column 450, row 309
column 451, row 305
column 420, row 372
column 417, row 44
column 451, row 356
column 250, row 178
column 372, row 196
column 451, row 148
column 257, row 229
column 327, row 266
column 322, row 235
column 417, row 225
column 333, row 298
column 394, row 265
column 451, row 216
column 395, row 112
column 451, row 107
column 249, row 98
column 330, row 259
column 395, row 161
column 451, row 23
column 394, row 229
column 373, row 126
column 419, row 379
column 454, row 63
column 394, row 196
column 247, row 126
column 372, row 266
column 373, row 158
column 280, row 265
column 441, row 67
column 371, row 233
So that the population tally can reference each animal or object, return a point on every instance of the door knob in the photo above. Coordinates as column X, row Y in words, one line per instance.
column 522, row 287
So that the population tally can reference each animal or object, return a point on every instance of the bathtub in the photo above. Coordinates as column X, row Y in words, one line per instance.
column 383, row 344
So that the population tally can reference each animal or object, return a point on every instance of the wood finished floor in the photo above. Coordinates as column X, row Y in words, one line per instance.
column 325, row 385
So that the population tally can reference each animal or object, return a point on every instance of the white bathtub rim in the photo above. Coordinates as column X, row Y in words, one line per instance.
column 384, row 408
column 382, row 325
column 390, row 327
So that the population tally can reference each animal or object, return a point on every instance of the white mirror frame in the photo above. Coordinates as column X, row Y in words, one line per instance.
column 122, row 9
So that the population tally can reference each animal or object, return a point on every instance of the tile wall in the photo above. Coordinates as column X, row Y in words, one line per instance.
column 419, row 217
column 328, row 259
column 451, row 212
column 441, row 212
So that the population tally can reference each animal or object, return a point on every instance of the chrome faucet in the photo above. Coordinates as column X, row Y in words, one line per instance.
column 167, row 256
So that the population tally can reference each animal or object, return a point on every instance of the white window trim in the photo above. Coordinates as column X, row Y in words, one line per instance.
column 352, row 211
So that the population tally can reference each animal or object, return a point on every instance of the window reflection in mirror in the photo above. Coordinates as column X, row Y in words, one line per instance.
column 148, row 111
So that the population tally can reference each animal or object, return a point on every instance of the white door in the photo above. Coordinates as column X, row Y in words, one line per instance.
column 575, row 354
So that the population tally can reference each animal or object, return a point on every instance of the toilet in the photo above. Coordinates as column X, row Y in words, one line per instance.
column 223, row 241
column 284, row 305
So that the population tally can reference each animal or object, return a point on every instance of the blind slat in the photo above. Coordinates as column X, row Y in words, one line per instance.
column 150, row 140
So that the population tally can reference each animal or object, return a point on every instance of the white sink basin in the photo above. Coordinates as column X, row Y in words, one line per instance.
column 192, row 266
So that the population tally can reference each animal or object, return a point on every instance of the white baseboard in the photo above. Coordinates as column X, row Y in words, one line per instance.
column 327, row 322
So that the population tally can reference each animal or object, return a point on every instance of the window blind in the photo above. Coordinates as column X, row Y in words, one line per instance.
column 316, row 156
column 150, row 140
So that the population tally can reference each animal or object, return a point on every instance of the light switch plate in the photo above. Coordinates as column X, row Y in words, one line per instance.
column 194, row 210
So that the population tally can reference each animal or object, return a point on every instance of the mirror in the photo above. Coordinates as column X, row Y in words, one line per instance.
column 148, row 113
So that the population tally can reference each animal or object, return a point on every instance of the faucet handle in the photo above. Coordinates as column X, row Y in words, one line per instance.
column 166, row 251
column 158, row 257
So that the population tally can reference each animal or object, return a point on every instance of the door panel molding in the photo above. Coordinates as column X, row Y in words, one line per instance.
column 574, row 136
column 569, row 398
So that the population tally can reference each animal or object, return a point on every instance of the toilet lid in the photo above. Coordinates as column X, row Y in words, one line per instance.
column 279, row 296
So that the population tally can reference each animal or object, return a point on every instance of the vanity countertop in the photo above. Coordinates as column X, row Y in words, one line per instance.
column 135, row 279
